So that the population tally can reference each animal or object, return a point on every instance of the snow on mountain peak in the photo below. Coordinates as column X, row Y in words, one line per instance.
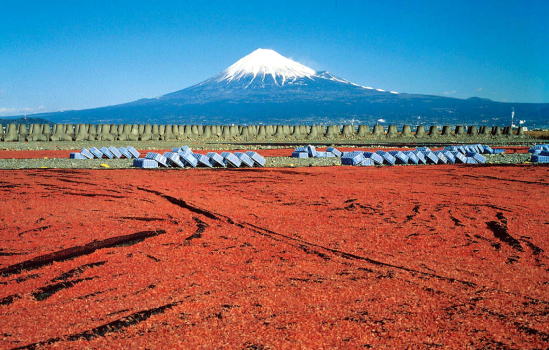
column 266, row 67
column 264, row 62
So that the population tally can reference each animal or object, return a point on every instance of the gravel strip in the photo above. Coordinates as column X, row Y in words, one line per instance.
column 512, row 158
column 272, row 162
column 64, row 163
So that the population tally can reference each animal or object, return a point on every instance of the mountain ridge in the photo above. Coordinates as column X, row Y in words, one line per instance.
column 267, row 88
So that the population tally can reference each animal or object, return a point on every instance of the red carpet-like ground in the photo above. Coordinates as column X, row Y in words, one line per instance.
column 340, row 257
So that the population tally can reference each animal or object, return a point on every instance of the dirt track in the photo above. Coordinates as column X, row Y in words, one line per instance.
column 427, row 256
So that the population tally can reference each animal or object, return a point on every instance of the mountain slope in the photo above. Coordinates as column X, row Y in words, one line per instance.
column 266, row 87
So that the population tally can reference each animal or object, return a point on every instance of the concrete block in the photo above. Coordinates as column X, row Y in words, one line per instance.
column 188, row 159
column 376, row 158
column 406, row 131
column 470, row 160
column 333, row 131
column 312, row 151
column 11, row 133
column 392, row 131
column 420, row 157
column 431, row 158
column 134, row 133
column 434, row 131
column 450, row 156
column 476, row 156
column 496, row 130
column 352, row 158
column 257, row 158
column 231, row 160
column 446, row 130
column 115, row 152
column 460, row 158
column 451, row 148
column 86, row 153
column 81, row 133
column 400, row 157
column 245, row 159
column 367, row 162
column 106, row 152
column 261, row 132
column 174, row 159
column 484, row 130
column 183, row 153
column 363, row 131
column 300, row 155
column 387, row 158
column 330, row 155
column 133, row 152
column 470, row 148
column 420, row 131
column 158, row 157
column 36, row 133
column 487, row 149
column 124, row 151
column 334, row 151
column 412, row 158
column 145, row 163
column 348, row 131
column 536, row 158
column 320, row 154
column 216, row 159
column 441, row 157
column 96, row 153
column 186, row 149
column 472, row 130
column 104, row 133
column 77, row 155
column 203, row 160
column 379, row 130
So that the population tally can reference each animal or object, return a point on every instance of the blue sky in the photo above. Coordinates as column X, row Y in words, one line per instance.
column 58, row 55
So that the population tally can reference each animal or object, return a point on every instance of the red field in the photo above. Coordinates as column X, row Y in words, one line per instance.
column 342, row 257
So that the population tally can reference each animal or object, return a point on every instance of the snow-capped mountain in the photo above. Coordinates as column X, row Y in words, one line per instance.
column 266, row 87
column 265, row 63
column 265, row 67
column 266, row 76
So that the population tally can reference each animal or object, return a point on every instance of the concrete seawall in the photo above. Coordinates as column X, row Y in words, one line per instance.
column 250, row 133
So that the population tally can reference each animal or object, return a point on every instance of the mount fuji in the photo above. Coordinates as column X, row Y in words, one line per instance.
column 265, row 87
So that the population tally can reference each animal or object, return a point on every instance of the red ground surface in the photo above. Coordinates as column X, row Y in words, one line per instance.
column 341, row 257
column 281, row 152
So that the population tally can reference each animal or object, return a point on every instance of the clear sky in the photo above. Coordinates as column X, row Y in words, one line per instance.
column 58, row 55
